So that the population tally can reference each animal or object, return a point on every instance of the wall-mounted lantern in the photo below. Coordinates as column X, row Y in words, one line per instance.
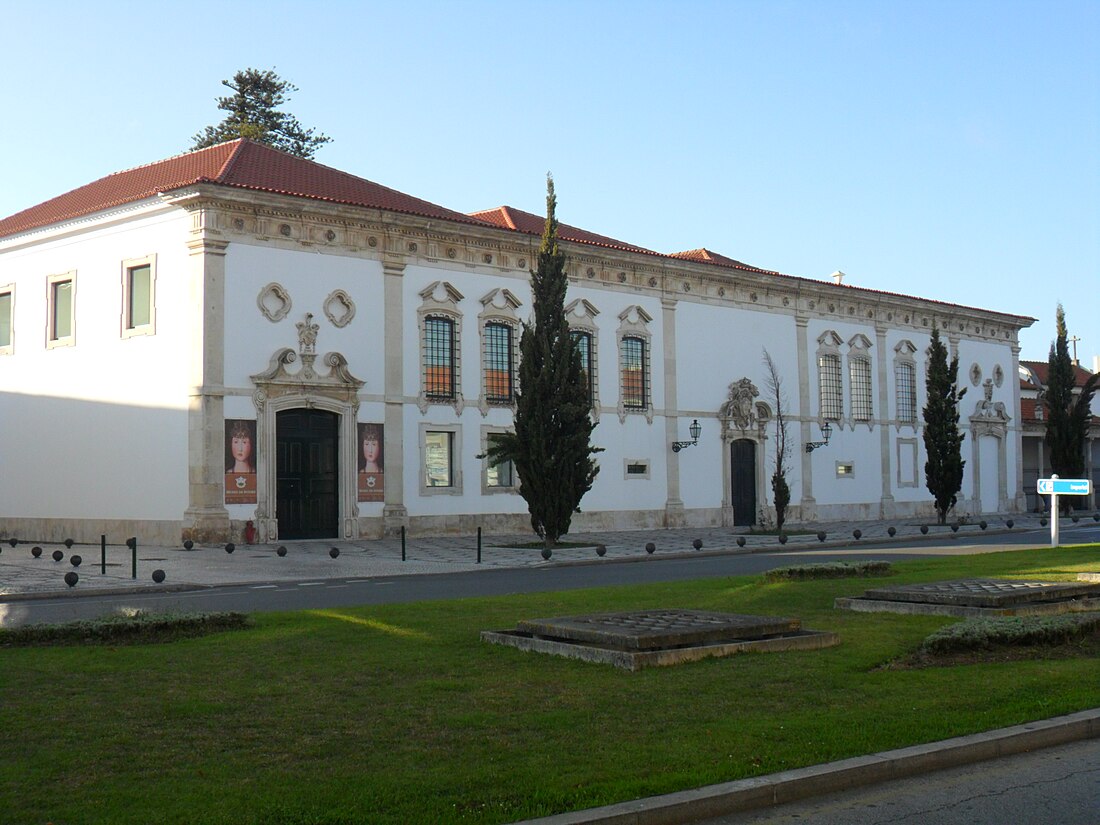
column 694, row 429
column 826, row 432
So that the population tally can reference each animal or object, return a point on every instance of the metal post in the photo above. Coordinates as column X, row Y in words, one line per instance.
column 133, row 547
column 1054, row 515
column 402, row 542
column 479, row 545
column 103, row 555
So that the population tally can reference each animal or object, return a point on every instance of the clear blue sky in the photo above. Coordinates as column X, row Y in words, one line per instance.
column 944, row 149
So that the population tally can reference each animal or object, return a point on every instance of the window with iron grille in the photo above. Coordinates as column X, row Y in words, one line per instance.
column 859, row 374
column 634, row 373
column 905, row 378
column 832, row 392
column 584, row 346
column 498, row 364
column 439, row 357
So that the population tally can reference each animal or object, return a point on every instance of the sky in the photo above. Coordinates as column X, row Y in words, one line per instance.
column 949, row 150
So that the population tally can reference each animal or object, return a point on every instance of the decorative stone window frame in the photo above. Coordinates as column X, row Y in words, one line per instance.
column 274, row 302
column 828, row 346
column 456, row 459
column 634, row 323
column 129, row 330
column 911, row 446
column 859, row 352
column 580, row 315
column 9, row 348
column 52, row 281
column 440, row 300
column 487, row 432
column 629, row 476
column 339, row 308
column 904, row 354
column 498, row 307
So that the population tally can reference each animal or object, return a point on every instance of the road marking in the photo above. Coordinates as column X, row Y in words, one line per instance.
column 359, row 581
column 311, row 584
column 264, row 586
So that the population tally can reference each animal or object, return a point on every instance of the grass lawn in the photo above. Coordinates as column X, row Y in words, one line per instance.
column 399, row 714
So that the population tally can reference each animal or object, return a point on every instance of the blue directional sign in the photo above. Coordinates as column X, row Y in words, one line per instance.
column 1064, row 486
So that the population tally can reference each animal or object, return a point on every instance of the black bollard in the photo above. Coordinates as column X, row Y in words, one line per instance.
column 158, row 576
column 601, row 550
column 71, row 579
column 132, row 544
column 334, row 552
column 402, row 542
column 58, row 555
column 103, row 555
column 479, row 545
column 650, row 547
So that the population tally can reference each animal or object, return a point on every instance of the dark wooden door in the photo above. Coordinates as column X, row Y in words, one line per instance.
column 306, row 501
column 743, row 480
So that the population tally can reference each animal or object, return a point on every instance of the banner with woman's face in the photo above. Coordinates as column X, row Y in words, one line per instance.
column 240, row 461
column 371, row 463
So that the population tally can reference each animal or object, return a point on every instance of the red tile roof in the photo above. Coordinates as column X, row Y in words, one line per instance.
column 1039, row 368
column 704, row 255
column 508, row 217
column 239, row 163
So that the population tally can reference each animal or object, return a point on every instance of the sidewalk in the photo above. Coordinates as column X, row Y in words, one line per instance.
column 24, row 576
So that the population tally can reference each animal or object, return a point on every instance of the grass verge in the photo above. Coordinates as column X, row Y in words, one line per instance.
column 136, row 628
column 399, row 714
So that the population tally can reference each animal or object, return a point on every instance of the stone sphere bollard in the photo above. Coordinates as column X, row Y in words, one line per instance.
column 229, row 548
column 281, row 551
column 71, row 578
column 982, row 524
column 58, row 555
column 187, row 545
column 36, row 551
column 857, row 533
column 76, row 561
column 650, row 547
column 68, row 544
column 697, row 544
column 13, row 541
column 158, row 576
column 782, row 538
column 1096, row 516
column 821, row 535
column 601, row 550
column 1042, row 522
column 1075, row 518
column 334, row 552
column 893, row 531
column 740, row 541
column 955, row 527
column 547, row 553
column 1010, row 523
column 924, row 529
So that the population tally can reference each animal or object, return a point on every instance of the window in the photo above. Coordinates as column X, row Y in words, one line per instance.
column 635, row 468
column 439, row 358
column 845, row 469
column 498, row 476
column 138, row 313
column 499, row 371
column 583, row 341
column 439, row 459
column 832, row 393
column 634, row 373
column 61, row 305
column 859, row 374
column 905, row 378
column 7, row 302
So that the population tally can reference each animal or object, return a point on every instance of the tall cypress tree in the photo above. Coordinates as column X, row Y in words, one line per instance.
column 550, row 446
column 943, row 471
column 1068, row 413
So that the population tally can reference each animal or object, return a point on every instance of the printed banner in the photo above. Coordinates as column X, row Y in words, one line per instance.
column 240, row 461
column 371, row 464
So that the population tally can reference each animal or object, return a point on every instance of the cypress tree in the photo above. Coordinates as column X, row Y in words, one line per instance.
column 943, row 471
column 550, row 447
column 1068, row 413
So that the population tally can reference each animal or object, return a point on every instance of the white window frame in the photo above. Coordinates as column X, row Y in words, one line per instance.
column 440, row 300
column 9, row 348
column 635, row 324
column 581, row 317
column 859, row 352
column 129, row 330
column 455, row 489
column 498, row 308
column 487, row 432
column 829, row 347
column 629, row 476
column 69, row 340
column 904, row 354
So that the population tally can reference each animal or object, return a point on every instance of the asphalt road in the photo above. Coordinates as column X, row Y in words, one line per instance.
column 1053, row 786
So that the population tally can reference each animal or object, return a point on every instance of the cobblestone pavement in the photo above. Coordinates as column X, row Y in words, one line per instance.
column 24, row 576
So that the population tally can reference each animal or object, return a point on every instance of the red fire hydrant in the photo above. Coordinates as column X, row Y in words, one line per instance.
column 249, row 532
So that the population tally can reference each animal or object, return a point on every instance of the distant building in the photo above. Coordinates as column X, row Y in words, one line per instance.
column 237, row 335
column 1036, row 455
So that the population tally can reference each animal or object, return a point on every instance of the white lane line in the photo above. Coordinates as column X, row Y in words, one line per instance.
column 359, row 581
column 311, row 584
column 264, row 586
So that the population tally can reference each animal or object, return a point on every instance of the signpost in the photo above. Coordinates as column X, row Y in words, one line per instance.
column 1055, row 487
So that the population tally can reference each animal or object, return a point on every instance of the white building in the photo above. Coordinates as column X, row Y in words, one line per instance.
column 149, row 318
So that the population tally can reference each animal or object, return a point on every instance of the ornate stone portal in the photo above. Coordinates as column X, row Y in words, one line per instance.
column 743, row 418
column 279, row 388
column 990, row 420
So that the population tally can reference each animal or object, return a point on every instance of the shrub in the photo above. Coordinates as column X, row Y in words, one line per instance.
column 139, row 628
column 829, row 570
column 974, row 634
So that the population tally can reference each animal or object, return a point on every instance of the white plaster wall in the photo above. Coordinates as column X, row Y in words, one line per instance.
column 102, row 425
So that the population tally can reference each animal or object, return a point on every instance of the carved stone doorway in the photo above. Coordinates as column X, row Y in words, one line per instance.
column 307, row 474
column 743, row 482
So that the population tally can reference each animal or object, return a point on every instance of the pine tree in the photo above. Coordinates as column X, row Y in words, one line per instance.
column 943, row 472
column 1068, row 414
column 254, row 114
column 550, row 447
